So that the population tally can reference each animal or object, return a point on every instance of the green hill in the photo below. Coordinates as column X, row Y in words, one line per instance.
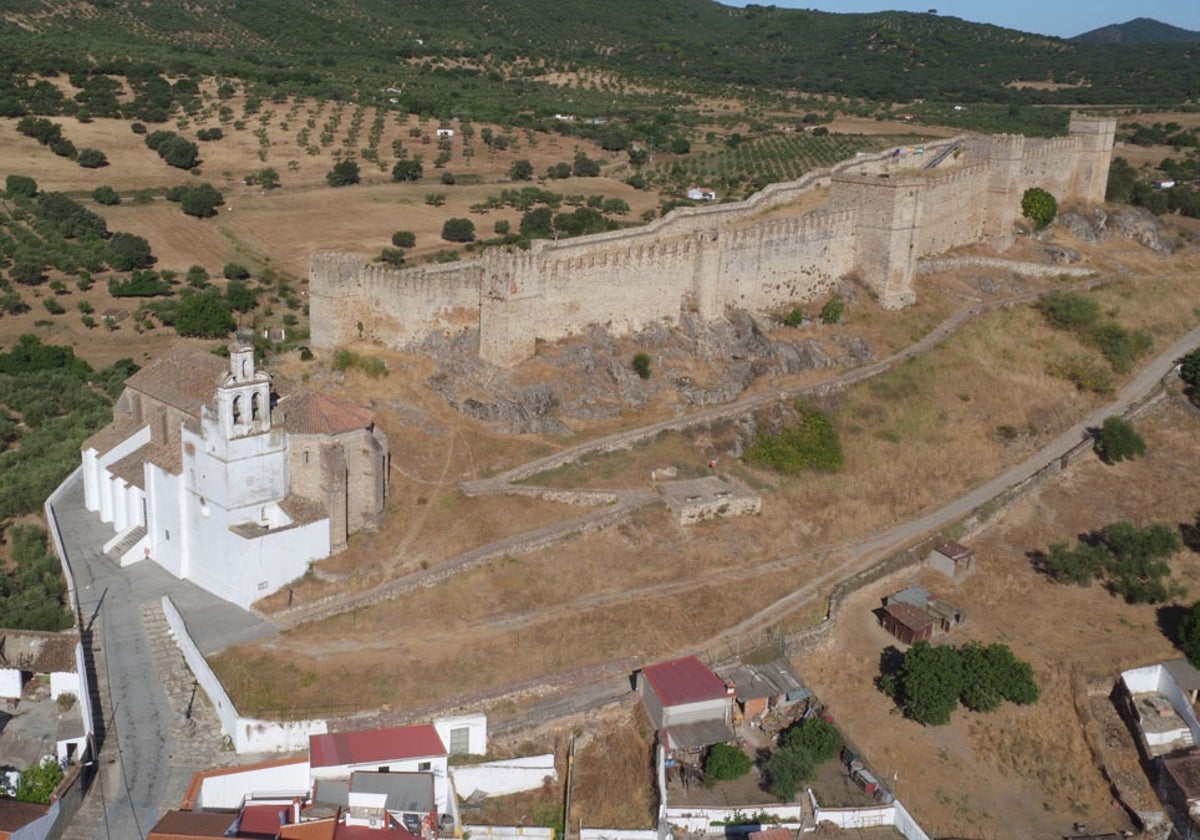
column 1138, row 31
column 490, row 59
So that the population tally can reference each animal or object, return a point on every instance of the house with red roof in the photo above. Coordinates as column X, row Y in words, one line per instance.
column 230, row 478
column 400, row 749
column 688, row 703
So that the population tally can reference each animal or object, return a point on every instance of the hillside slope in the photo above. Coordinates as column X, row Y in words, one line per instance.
column 365, row 44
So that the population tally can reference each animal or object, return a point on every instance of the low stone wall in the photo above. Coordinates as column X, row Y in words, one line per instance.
column 934, row 265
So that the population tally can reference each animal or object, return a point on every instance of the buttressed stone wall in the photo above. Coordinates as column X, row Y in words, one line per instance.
column 882, row 214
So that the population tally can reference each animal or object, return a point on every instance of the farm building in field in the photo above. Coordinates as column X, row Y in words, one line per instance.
column 914, row 614
column 230, row 479
column 952, row 559
column 907, row 623
column 688, row 703
column 760, row 688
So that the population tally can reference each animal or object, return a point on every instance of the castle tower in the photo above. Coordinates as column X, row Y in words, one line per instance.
column 1002, row 203
column 1095, row 136
column 889, row 217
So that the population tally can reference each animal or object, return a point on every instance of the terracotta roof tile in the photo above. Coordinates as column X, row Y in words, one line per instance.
column 118, row 430
column 309, row 413
column 38, row 651
column 179, row 825
column 184, row 377
column 16, row 815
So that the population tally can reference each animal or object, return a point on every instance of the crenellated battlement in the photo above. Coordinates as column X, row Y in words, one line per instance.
column 883, row 213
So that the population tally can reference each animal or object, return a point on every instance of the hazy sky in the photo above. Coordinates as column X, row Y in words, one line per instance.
column 1064, row 19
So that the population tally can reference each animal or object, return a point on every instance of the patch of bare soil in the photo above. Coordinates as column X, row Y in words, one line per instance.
column 1020, row 772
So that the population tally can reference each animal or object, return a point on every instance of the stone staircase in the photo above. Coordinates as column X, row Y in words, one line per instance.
column 131, row 538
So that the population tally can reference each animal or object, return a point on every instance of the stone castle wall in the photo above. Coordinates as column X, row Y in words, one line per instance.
column 884, row 212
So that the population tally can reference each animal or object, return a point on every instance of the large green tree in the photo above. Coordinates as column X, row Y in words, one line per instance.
column 1039, row 207
column 1117, row 441
column 929, row 683
column 343, row 174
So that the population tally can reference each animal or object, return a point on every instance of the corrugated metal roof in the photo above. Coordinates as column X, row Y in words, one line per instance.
column 375, row 745
column 405, row 791
column 685, row 680
column 914, row 618
column 773, row 679
column 1186, row 676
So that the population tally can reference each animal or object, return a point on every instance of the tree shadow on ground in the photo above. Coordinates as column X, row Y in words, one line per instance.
column 1169, row 617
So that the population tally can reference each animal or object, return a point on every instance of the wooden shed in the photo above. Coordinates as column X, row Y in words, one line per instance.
column 907, row 623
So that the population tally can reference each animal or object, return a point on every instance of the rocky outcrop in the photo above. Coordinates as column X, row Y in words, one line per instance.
column 1134, row 223
column 590, row 378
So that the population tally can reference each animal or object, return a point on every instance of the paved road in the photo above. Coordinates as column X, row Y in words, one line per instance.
column 139, row 723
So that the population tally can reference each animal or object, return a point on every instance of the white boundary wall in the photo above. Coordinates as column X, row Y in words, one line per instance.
column 82, row 692
column 894, row 814
column 617, row 834
column 700, row 820
column 249, row 735
column 498, row 778
column 509, row 832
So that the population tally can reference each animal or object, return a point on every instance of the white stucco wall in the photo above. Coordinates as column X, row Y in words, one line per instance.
column 229, row 789
column 165, row 535
column 249, row 735
column 475, row 724
column 97, row 490
column 64, row 682
column 500, row 778
column 700, row 820
column 510, row 832
column 10, row 682
column 716, row 709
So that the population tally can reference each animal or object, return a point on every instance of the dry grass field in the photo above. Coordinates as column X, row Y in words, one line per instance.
column 914, row 438
column 1021, row 772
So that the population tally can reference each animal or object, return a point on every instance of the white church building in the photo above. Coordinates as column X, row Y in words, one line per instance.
column 229, row 479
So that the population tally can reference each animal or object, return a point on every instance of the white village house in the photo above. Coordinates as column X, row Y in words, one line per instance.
column 230, row 479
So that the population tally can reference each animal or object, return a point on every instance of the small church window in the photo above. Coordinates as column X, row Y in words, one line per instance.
column 254, row 408
column 237, row 409
column 245, row 368
column 306, row 456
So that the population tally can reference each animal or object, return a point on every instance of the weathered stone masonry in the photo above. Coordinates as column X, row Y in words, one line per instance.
column 883, row 214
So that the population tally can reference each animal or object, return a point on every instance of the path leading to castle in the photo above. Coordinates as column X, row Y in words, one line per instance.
column 593, row 688
column 155, row 735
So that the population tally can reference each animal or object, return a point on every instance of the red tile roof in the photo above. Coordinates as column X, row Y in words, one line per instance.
column 15, row 815
column 181, row 825
column 376, row 745
column 685, row 680
column 263, row 820
column 308, row 413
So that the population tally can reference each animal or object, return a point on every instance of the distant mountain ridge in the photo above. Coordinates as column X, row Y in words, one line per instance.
column 499, row 54
column 1137, row 31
